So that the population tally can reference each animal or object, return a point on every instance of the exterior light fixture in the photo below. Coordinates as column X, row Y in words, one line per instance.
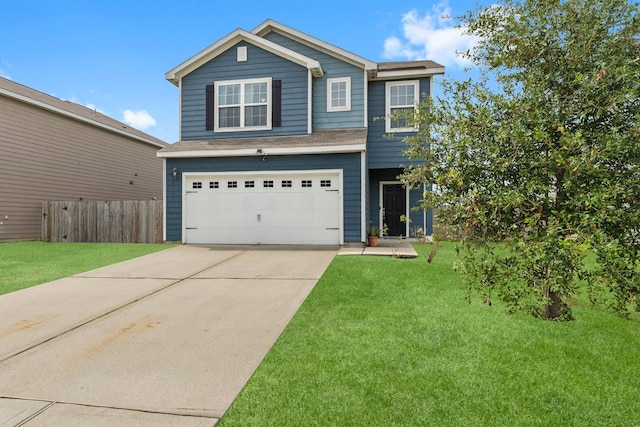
column 260, row 152
column 174, row 172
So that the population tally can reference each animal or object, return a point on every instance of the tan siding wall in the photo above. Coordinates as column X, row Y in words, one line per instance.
column 46, row 156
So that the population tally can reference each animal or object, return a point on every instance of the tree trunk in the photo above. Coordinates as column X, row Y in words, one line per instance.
column 552, row 310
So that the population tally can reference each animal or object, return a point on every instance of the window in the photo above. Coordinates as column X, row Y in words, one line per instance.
column 214, row 184
column 243, row 105
column 196, row 185
column 401, row 97
column 325, row 183
column 339, row 94
column 306, row 183
column 249, row 184
column 286, row 184
column 267, row 184
column 232, row 184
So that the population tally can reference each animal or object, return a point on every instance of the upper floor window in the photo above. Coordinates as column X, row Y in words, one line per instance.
column 339, row 94
column 401, row 98
column 243, row 105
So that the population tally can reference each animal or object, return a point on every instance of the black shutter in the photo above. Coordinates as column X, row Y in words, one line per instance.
column 210, row 107
column 276, row 103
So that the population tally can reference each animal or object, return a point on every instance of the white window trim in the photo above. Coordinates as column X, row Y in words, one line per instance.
column 242, row 127
column 388, row 86
column 347, row 107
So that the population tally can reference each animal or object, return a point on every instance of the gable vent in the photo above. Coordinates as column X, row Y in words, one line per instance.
column 242, row 53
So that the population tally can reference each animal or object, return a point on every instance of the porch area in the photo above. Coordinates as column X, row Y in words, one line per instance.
column 399, row 248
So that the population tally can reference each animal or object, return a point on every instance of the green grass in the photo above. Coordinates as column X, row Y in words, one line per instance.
column 383, row 341
column 25, row 264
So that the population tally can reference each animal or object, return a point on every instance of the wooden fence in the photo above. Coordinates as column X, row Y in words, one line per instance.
column 131, row 221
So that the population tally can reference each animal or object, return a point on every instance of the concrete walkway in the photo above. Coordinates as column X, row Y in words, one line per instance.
column 386, row 247
column 168, row 339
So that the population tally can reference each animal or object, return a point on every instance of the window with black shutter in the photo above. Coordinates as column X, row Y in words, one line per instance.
column 276, row 103
column 210, row 107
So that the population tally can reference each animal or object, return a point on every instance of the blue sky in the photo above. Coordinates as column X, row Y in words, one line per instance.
column 112, row 55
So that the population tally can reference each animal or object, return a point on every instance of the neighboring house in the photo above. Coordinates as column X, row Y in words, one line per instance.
column 59, row 150
column 284, row 140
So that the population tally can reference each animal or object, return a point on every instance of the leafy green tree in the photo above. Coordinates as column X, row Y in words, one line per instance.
column 542, row 153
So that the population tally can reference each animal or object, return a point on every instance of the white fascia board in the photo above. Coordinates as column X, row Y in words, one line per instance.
column 426, row 72
column 77, row 117
column 175, row 74
column 248, row 152
column 331, row 50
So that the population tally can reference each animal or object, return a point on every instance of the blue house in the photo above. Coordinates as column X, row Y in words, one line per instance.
column 285, row 139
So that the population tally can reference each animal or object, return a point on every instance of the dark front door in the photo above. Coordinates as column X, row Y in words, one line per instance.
column 394, row 204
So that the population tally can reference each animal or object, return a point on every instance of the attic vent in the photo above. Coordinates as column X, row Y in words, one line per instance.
column 242, row 54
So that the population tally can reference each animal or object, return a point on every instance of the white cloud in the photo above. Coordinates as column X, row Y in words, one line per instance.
column 4, row 74
column 139, row 119
column 432, row 36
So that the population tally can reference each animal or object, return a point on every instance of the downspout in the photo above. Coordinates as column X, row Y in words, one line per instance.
column 309, row 103
column 424, row 211
column 363, row 196
column 180, row 110
column 164, row 199
column 366, row 99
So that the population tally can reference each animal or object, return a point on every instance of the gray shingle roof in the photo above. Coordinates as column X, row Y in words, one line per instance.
column 71, row 109
column 408, row 65
column 320, row 138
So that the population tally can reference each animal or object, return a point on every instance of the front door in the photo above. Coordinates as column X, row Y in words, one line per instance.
column 394, row 205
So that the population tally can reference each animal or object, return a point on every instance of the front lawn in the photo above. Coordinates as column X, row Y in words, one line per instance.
column 25, row 264
column 383, row 341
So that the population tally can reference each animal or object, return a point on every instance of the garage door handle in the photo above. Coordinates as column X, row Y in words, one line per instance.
column 191, row 228
column 332, row 190
column 331, row 228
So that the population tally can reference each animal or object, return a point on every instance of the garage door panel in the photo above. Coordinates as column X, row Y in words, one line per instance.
column 308, row 236
column 270, row 209
column 222, row 235
column 298, row 218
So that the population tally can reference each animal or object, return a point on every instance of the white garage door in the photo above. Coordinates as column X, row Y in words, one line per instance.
column 264, row 208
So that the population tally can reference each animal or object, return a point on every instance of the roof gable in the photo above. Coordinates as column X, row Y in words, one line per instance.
column 209, row 53
column 272, row 26
column 375, row 71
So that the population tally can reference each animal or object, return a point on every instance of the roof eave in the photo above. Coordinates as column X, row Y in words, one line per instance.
column 175, row 74
column 410, row 73
column 277, row 151
column 271, row 25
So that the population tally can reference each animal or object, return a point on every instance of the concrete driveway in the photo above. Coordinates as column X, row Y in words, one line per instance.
column 165, row 339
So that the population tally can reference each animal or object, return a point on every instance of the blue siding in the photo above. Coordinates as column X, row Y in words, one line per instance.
column 418, row 217
column 385, row 151
column 349, row 163
column 332, row 68
column 260, row 64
